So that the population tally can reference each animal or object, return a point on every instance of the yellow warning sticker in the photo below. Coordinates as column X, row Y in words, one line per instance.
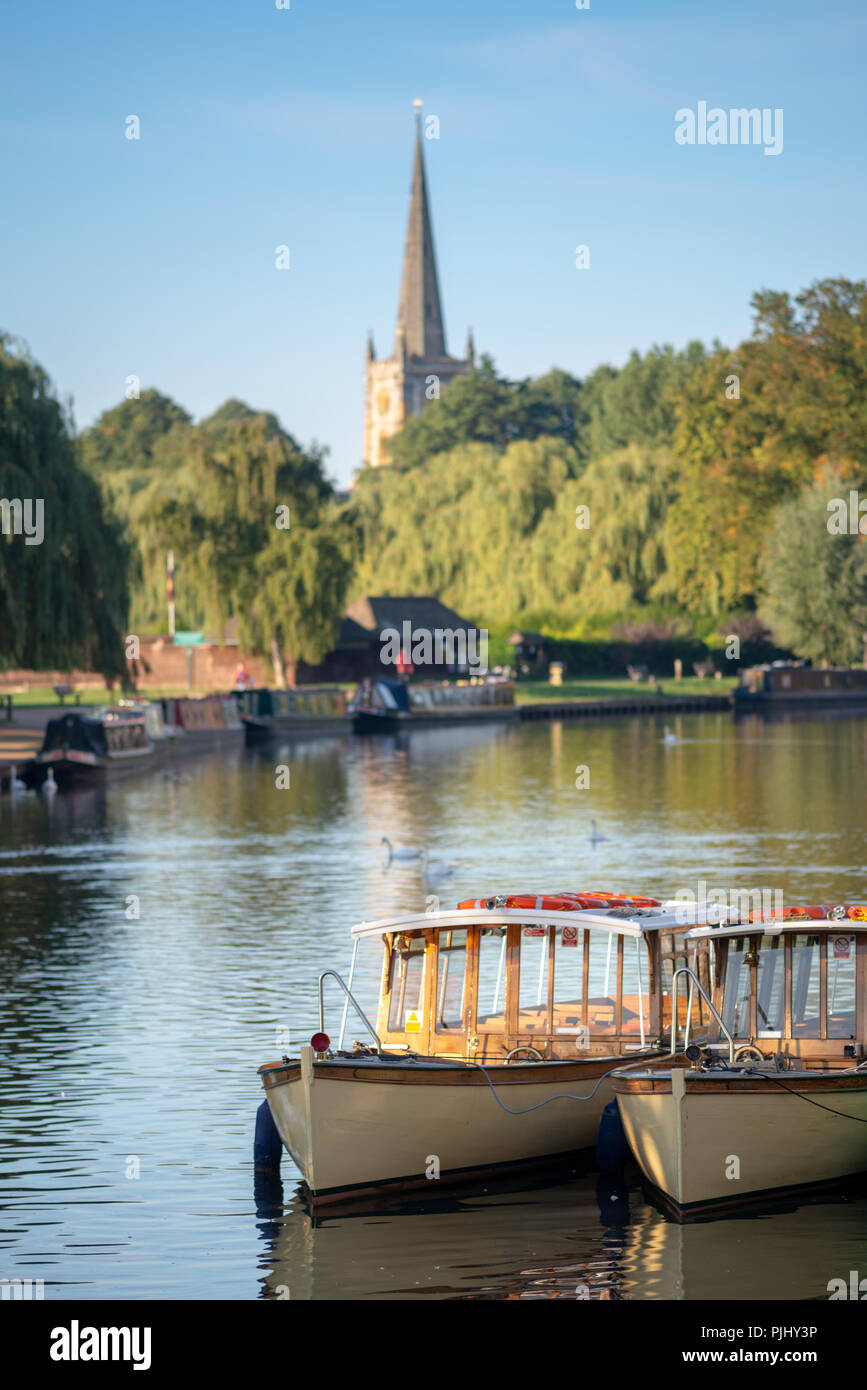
column 412, row 1022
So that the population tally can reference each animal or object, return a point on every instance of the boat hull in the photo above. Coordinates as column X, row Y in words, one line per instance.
column 366, row 721
column 353, row 1127
column 72, row 768
column 707, row 1140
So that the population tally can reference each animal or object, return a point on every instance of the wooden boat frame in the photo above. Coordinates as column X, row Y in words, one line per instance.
column 552, row 1033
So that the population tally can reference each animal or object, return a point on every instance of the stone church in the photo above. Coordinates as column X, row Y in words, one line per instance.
column 420, row 368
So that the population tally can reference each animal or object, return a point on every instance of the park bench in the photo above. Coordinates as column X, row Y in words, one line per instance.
column 61, row 691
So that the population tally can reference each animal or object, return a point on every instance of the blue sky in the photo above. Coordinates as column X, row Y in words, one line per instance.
column 262, row 127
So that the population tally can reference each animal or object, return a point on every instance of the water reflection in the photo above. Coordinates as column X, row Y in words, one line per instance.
column 587, row 1238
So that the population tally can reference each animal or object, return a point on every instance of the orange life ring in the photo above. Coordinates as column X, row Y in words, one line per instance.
column 559, row 902
column 856, row 912
column 814, row 913
column 530, row 902
column 601, row 898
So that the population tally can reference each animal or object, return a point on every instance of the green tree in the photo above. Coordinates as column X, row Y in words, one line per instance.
column 484, row 407
column 131, row 436
column 63, row 601
column 800, row 397
column 255, row 534
column 815, row 582
column 637, row 404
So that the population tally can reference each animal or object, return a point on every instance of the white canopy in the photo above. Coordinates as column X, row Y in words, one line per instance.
column 667, row 917
column 807, row 925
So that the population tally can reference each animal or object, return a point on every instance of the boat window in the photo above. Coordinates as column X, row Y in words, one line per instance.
column 451, row 976
column 407, row 978
column 841, row 986
column 569, row 983
column 770, row 997
column 602, row 982
column 736, row 1001
column 490, row 1009
column 636, row 984
column 672, row 959
column 805, row 987
column 533, row 982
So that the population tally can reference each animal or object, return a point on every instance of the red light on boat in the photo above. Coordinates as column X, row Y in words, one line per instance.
column 320, row 1042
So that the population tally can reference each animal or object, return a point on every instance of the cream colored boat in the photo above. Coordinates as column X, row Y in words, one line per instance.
column 781, row 1104
column 497, row 1029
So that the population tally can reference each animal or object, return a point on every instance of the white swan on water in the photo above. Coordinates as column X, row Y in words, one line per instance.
column 437, row 868
column 49, row 786
column 669, row 737
column 407, row 852
column 16, row 786
column 595, row 837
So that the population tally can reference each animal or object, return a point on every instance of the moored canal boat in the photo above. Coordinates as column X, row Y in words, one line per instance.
column 82, row 749
column 497, row 1027
column 307, row 711
column 777, row 1099
column 379, row 706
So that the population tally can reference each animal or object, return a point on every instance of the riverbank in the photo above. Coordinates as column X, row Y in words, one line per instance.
column 605, row 688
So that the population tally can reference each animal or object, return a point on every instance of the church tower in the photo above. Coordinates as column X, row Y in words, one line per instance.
column 420, row 367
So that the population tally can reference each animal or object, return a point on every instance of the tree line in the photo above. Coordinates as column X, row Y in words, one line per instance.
column 686, row 492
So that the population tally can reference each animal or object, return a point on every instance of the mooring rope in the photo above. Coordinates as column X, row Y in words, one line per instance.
column 539, row 1103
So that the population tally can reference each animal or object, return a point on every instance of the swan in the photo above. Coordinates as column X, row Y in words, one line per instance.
column 595, row 837
column 669, row 737
column 437, row 868
column 16, row 786
column 408, row 852
column 49, row 785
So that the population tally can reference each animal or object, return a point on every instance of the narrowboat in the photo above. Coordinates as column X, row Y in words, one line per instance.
column 383, row 706
column 776, row 1100
column 82, row 749
column 379, row 706
column 268, row 714
column 497, row 1029
column 784, row 685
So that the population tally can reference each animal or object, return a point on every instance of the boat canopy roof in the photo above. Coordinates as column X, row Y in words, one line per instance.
column 776, row 926
column 634, row 922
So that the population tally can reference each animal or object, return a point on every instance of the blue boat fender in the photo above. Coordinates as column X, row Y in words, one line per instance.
column 612, row 1148
column 267, row 1144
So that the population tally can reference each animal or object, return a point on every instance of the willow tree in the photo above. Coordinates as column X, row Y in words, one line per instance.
column 63, row 591
column 255, row 537
column 814, row 579
column 461, row 525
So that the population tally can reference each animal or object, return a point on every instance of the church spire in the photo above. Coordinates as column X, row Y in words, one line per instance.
column 419, row 316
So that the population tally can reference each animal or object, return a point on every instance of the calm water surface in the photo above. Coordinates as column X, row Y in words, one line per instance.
column 130, row 1045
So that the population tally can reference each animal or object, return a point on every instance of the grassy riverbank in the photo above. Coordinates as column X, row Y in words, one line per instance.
column 609, row 688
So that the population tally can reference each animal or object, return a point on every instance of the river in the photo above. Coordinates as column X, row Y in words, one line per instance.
column 161, row 938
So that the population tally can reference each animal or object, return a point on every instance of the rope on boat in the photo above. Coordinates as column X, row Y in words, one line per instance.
column 539, row 1103
column 567, row 1096
column 800, row 1096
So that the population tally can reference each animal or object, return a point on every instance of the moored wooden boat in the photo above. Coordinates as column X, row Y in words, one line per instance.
column 777, row 1100
column 496, row 1032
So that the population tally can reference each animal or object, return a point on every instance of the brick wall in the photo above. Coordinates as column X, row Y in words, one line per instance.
column 163, row 666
